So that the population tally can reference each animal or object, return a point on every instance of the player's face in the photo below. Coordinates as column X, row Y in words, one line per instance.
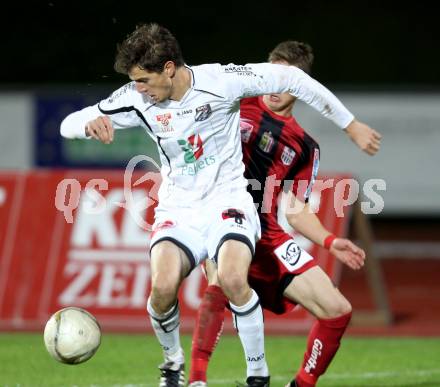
column 279, row 102
column 157, row 86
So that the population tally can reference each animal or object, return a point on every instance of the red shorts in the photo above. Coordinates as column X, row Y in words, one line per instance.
column 274, row 265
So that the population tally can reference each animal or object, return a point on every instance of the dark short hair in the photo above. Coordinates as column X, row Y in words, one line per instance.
column 149, row 46
column 295, row 53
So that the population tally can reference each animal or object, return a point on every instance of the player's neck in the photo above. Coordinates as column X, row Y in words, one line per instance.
column 181, row 83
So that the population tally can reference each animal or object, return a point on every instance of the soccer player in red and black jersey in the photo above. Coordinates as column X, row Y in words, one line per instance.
column 277, row 151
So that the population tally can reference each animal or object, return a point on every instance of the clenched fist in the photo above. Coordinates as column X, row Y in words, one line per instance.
column 100, row 129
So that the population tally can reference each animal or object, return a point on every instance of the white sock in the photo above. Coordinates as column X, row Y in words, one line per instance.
column 166, row 328
column 249, row 323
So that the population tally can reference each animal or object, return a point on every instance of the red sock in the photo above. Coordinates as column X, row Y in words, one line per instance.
column 209, row 326
column 322, row 345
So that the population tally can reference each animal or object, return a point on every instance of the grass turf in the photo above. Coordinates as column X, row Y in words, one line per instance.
column 131, row 361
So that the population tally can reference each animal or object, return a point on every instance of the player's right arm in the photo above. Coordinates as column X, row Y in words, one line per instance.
column 307, row 223
column 99, row 121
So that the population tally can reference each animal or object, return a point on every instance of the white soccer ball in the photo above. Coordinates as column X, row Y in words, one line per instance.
column 72, row 335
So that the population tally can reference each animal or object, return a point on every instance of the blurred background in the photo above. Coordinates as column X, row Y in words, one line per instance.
column 381, row 59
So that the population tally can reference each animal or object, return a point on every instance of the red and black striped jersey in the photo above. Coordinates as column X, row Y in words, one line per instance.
column 277, row 152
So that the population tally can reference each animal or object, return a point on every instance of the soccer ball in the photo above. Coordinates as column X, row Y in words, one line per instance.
column 72, row 335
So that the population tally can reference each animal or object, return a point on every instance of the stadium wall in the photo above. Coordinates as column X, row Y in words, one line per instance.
column 81, row 238
column 16, row 130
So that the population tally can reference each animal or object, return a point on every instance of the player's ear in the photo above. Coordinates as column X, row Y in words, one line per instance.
column 170, row 69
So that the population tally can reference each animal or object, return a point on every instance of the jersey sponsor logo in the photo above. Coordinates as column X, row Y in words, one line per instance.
column 314, row 173
column 120, row 92
column 193, row 148
column 183, row 113
column 164, row 122
column 266, row 142
column 245, row 130
column 288, row 155
column 203, row 112
column 193, row 168
column 291, row 255
column 239, row 70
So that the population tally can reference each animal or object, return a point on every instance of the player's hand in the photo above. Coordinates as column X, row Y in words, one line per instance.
column 100, row 129
column 364, row 137
column 347, row 252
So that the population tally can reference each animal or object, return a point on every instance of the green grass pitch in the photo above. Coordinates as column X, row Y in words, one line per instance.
column 131, row 361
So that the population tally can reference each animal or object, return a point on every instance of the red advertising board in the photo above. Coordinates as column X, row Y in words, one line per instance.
column 96, row 256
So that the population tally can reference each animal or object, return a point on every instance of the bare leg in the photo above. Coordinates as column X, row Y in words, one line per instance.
column 314, row 290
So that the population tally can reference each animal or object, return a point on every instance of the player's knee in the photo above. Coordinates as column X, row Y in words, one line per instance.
column 162, row 301
column 233, row 264
column 163, row 294
column 235, row 251
column 165, row 280
column 339, row 306
column 232, row 283
column 343, row 307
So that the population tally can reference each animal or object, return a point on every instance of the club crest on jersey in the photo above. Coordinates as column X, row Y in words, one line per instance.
column 164, row 122
column 266, row 143
column 245, row 130
column 288, row 155
column 203, row 112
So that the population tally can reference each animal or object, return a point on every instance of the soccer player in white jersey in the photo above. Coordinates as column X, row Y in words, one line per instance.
column 204, row 208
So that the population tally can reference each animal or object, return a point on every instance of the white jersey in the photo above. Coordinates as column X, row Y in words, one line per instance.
column 198, row 137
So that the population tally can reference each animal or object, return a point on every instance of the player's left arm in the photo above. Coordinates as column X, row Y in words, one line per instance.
column 366, row 138
column 305, row 221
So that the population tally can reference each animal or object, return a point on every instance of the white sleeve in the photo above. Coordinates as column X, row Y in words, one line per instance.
column 266, row 78
column 119, row 107
column 74, row 125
